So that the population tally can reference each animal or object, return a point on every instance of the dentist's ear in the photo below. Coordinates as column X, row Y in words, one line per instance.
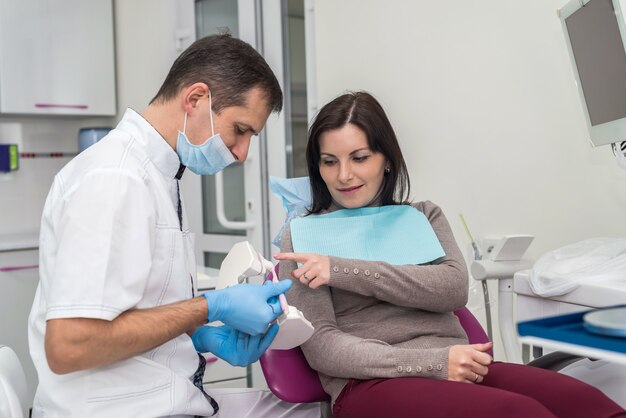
column 192, row 96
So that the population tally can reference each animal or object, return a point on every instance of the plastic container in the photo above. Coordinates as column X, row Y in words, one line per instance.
column 89, row 136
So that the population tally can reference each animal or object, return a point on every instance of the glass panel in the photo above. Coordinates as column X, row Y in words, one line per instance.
column 216, row 16
column 219, row 16
column 234, row 201
column 213, row 259
column 298, row 123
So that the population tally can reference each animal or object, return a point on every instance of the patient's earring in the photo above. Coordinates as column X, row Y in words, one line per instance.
column 387, row 170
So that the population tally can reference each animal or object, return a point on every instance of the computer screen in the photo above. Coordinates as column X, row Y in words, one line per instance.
column 594, row 33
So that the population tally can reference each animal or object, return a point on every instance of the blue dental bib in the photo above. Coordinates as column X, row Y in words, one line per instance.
column 397, row 235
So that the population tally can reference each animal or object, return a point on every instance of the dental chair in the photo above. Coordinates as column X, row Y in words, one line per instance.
column 12, row 385
column 291, row 379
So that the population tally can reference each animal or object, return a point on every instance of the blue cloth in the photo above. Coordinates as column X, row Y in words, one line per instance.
column 394, row 234
column 295, row 196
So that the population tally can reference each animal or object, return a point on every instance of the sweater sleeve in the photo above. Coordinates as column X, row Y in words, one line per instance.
column 336, row 353
column 440, row 286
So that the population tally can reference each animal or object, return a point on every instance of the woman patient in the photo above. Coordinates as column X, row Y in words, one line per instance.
column 386, row 341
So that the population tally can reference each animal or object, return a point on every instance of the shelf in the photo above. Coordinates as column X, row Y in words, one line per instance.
column 566, row 333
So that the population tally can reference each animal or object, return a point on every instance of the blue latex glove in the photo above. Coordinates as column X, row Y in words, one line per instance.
column 236, row 347
column 246, row 307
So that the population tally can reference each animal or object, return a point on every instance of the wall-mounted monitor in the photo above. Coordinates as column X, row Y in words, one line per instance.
column 595, row 34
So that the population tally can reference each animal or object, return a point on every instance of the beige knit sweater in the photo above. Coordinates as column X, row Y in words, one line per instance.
column 377, row 320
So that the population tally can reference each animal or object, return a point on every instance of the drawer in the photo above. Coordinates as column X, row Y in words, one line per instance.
column 235, row 383
column 221, row 370
column 19, row 258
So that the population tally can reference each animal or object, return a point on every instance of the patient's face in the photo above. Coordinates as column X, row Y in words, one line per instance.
column 352, row 172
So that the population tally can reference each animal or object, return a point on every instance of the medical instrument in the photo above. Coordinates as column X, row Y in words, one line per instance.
column 611, row 322
column 243, row 261
column 477, row 254
column 503, row 271
column 486, row 298
column 619, row 151
column 510, row 247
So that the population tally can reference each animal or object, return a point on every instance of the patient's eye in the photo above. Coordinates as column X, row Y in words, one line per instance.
column 328, row 161
column 360, row 158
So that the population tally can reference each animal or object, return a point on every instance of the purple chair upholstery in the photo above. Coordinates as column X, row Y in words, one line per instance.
column 473, row 329
column 289, row 376
column 291, row 379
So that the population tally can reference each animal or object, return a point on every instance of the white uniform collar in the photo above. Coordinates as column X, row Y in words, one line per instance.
column 156, row 147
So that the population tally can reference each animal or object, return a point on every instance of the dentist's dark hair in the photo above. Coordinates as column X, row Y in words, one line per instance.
column 229, row 66
column 362, row 110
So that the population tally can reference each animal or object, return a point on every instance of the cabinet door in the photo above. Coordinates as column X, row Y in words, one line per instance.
column 57, row 57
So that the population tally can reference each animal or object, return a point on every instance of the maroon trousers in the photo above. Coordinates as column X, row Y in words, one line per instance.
column 509, row 390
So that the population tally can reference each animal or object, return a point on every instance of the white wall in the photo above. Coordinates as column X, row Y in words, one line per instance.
column 481, row 94
column 23, row 192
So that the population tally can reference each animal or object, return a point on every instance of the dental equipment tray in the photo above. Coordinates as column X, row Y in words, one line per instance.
column 569, row 329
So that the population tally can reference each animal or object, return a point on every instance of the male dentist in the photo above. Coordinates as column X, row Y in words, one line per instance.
column 111, row 325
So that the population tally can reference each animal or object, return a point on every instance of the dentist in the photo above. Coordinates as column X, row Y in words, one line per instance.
column 116, row 324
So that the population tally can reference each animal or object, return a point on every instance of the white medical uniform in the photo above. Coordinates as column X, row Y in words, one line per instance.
column 111, row 241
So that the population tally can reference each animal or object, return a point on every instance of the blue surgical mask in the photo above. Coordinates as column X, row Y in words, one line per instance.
column 207, row 158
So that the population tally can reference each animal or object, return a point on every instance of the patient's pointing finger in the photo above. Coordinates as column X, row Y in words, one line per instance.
column 288, row 256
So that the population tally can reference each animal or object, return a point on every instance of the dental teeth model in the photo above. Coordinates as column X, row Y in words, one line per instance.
column 243, row 261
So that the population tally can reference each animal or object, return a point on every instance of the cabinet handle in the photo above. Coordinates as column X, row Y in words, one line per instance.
column 14, row 268
column 63, row 106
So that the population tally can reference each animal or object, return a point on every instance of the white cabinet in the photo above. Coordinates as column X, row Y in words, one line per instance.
column 57, row 57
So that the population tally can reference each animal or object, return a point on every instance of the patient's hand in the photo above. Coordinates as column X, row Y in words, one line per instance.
column 315, row 269
column 468, row 363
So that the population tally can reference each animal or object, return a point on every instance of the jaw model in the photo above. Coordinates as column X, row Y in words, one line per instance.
column 244, row 261
column 294, row 330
